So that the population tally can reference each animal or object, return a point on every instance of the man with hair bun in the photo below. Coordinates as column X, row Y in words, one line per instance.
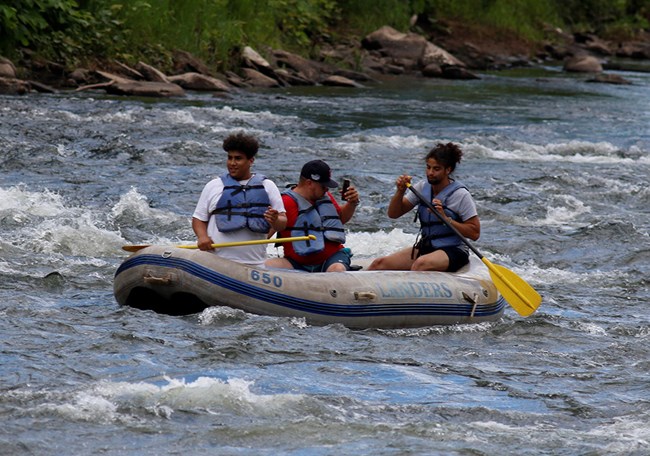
column 438, row 248
column 239, row 206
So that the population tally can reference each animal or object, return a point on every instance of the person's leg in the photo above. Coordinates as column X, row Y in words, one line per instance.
column 449, row 259
column 399, row 261
column 434, row 261
column 278, row 263
column 336, row 267
column 339, row 262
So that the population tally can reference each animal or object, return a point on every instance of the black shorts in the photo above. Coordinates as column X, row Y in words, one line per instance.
column 458, row 257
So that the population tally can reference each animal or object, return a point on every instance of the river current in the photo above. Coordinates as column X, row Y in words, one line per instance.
column 559, row 169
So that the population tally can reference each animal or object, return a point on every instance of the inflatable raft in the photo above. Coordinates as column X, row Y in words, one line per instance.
column 179, row 281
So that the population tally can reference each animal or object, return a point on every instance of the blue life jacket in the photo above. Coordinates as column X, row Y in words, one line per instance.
column 432, row 228
column 319, row 219
column 242, row 206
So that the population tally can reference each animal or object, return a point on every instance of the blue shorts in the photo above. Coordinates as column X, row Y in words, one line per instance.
column 343, row 256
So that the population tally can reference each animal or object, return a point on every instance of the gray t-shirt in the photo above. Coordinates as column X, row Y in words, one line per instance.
column 460, row 201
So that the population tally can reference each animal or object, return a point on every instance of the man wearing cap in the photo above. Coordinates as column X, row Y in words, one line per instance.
column 311, row 209
column 238, row 206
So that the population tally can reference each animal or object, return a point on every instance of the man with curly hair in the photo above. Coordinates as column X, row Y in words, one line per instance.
column 239, row 206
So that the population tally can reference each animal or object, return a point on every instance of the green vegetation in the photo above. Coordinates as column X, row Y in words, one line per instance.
column 78, row 31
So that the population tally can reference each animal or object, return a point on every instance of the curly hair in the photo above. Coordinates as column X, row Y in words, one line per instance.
column 241, row 142
column 448, row 155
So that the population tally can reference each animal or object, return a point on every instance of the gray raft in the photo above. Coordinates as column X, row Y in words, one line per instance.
column 180, row 281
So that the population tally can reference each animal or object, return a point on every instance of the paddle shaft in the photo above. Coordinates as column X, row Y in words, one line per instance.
column 311, row 237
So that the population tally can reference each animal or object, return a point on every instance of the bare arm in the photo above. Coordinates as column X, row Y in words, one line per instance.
column 398, row 204
column 277, row 220
column 347, row 210
column 470, row 228
column 204, row 242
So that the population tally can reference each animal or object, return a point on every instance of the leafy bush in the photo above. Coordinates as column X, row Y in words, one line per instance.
column 214, row 30
column 55, row 26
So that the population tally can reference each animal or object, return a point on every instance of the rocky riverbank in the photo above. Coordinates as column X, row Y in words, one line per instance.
column 441, row 50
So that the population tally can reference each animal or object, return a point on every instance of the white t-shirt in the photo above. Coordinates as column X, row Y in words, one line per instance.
column 253, row 255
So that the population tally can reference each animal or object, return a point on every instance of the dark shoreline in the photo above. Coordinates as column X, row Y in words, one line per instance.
column 383, row 53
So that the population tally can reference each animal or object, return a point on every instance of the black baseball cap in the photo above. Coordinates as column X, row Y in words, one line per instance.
column 319, row 171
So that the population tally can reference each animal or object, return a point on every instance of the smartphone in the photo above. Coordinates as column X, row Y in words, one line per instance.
column 346, row 185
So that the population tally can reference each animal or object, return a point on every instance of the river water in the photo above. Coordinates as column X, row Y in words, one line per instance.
column 559, row 169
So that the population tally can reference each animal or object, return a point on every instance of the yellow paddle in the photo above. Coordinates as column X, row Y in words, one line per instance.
column 311, row 237
column 515, row 290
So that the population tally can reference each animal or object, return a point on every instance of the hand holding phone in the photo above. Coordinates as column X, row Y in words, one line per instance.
column 346, row 185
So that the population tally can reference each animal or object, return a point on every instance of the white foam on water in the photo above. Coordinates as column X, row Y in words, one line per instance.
column 220, row 120
column 614, row 185
column 216, row 119
column 571, row 152
column 554, row 276
column 565, row 212
column 127, row 116
column 86, row 407
column 45, row 114
column 590, row 328
column 136, row 205
column 45, row 222
column 444, row 329
column 123, row 401
column 627, row 435
column 216, row 314
column 620, row 436
column 179, row 117
column 6, row 268
column 379, row 243
column 21, row 203
column 78, row 235
column 398, row 142
column 299, row 322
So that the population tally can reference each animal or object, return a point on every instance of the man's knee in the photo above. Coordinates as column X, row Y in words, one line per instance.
column 337, row 267
column 278, row 263
column 431, row 262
